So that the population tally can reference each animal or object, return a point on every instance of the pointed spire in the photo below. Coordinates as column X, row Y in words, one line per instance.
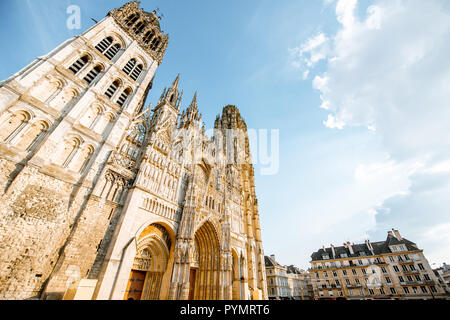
column 176, row 82
column 162, row 96
column 194, row 101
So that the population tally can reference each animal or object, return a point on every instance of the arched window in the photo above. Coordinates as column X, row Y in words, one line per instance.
column 129, row 66
column 131, row 19
column 32, row 135
column 104, row 44
column 136, row 72
column 93, row 74
column 112, row 51
column 139, row 27
column 149, row 36
column 14, row 125
column 132, row 69
column 69, row 152
column 91, row 116
column 83, row 159
column 155, row 43
column 79, row 64
column 112, row 88
column 123, row 97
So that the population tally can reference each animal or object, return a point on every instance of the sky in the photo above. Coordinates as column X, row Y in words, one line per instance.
column 359, row 91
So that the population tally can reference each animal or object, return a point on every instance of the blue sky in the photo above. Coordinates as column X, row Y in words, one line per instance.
column 359, row 91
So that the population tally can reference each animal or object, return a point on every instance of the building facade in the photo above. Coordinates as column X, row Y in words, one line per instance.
column 287, row 282
column 105, row 197
column 443, row 276
column 300, row 284
column 277, row 280
column 392, row 269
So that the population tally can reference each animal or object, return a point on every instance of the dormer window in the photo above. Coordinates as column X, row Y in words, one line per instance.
column 344, row 255
column 325, row 257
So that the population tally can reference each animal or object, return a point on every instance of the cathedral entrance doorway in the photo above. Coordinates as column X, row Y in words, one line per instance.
column 150, row 264
column 207, row 276
column 136, row 285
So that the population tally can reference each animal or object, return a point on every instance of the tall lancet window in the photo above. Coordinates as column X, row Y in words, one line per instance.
column 136, row 72
column 93, row 74
column 112, row 51
column 155, row 43
column 104, row 44
column 32, row 135
column 139, row 27
column 107, row 47
column 149, row 36
column 131, row 19
column 83, row 159
column 132, row 69
column 124, row 96
column 14, row 125
column 69, row 152
column 112, row 88
column 79, row 64
column 129, row 66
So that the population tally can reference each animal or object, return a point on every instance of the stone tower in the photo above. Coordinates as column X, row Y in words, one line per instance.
column 63, row 175
column 105, row 199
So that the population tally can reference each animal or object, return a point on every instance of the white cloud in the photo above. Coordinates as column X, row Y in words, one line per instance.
column 373, row 20
column 437, row 237
column 311, row 52
column 334, row 123
column 389, row 72
column 320, row 83
column 345, row 12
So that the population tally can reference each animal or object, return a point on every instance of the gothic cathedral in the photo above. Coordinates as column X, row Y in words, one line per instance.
column 105, row 198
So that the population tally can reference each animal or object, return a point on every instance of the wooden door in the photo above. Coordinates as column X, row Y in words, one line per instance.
column 192, row 277
column 135, row 285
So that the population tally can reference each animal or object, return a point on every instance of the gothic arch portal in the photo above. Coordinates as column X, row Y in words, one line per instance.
column 206, row 282
column 153, row 249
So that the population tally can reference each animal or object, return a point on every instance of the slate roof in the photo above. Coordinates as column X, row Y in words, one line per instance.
column 293, row 269
column 361, row 250
column 271, row 263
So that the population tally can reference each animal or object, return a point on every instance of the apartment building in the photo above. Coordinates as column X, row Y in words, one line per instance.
column 391, row 269
column 443, row 276
column 299, row 283
column 277, row 280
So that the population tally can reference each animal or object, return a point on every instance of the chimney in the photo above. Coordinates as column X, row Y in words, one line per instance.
column 390, row 233
column 369, row 245
column 272, row 256
column 397, row 234
column 350, row 247
column 333, row 251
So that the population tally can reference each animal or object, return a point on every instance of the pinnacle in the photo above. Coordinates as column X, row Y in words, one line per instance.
column 194, row 101
column 176, row 82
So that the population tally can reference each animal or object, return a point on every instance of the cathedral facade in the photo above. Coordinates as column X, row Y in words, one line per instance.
column 101, row 194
